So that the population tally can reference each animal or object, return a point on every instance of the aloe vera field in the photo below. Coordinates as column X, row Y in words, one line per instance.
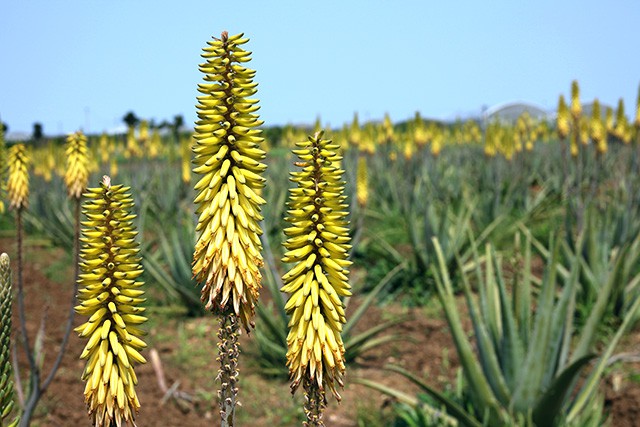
column 400, row 272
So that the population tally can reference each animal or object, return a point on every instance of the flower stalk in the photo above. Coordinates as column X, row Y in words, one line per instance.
column 227, row 157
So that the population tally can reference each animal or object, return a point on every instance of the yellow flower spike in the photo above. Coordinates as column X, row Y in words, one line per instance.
column 636, row 122
column 576, row 107
column 597, row 130
column 355, row 134
column 3, row 169
column 185, row 148
column 318, row 245
column 155, row 144
column 436, row 144
column 362, row 186
column 109, row 296
column 563, row 119
column 104, row 147
column 608, row 121
column 620, row 129
column 583, row 131
column 76, row 176
column 18, row 181
column 228, row 159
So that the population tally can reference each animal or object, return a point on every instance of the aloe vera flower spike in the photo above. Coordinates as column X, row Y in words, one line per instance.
column 110, row 297
column 18, row 180
column 318, row 245
column 77, row 173
column 227, row 156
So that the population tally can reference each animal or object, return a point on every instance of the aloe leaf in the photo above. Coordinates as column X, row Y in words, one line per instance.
column 355, row 345
column 481, row 389
column 591, row 384
column 397, row 394
column 558, row 346
column 589, row 330
column 492, row 314
column 551, row 402
column 522, row 296
column 366, row 303
column 277, row 329
column 152, row 266
column 486, row 348
column 510, row 346
column 455, row 410
column 530, row 379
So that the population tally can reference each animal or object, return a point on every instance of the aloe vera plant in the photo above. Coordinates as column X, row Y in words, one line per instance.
column 528, row 362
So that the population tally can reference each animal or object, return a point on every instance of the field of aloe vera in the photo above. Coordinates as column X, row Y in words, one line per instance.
column 407, row 273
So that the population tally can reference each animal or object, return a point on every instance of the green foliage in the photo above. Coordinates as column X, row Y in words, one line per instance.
column 527, row 363
column 169, row 266
column 51, row 215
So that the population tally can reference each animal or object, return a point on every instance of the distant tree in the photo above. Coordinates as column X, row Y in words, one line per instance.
column 178, row 122
column 5, row 128
column 131, row 119
column 37, row 131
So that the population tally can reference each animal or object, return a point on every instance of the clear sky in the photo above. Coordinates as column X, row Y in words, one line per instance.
column 73, row 64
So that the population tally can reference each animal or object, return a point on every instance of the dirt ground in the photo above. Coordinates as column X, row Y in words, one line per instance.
column 426, row 349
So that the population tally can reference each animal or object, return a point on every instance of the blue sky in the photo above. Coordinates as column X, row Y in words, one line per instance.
column 83, row 64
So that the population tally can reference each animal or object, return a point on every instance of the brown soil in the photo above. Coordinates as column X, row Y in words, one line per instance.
column 426, row 349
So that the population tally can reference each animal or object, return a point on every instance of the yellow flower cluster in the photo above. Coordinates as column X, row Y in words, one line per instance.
column 318, row 245
column 18, row 182
column 110, row 296
column 76, row 175
column 228, row 158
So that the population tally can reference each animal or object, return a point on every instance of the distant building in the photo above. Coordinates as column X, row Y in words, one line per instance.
column 510, row 111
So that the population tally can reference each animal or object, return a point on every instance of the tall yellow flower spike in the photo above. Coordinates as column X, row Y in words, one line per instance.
column 362, row 182
column 3, row 168
column 185, row 152
column 18, row 181
column 576, row 107
column 636, row 122
column 318, row 245
column 228, row 158
column 562, row 119
column 76, row 176
column 597, row 129
column 111, row 298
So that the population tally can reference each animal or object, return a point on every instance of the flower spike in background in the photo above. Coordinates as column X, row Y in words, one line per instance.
column 76, row 175
column 318, row 245
column 110, row 298
column 18, row 182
